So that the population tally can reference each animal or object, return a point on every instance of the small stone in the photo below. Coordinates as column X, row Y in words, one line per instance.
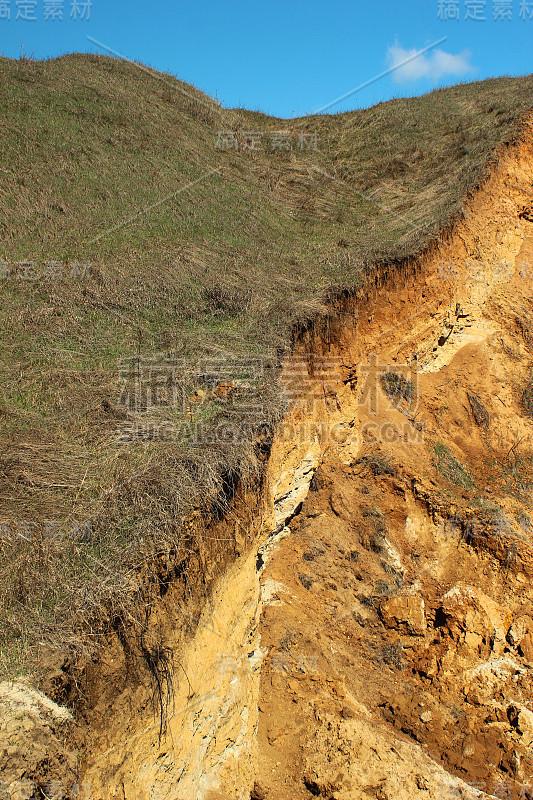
column 306, row 581
column 347, row 712
column 426, row 717
column 475, row 697
column 257, row 793
column 468, row 747
column 427, row 665
column 422, row 783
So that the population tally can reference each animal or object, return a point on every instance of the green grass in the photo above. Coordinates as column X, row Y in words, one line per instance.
column 397, row 388
column 194, row 253
column 451, row 469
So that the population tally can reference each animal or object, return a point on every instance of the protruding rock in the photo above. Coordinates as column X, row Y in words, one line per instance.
column 522, row 718
column 474, row 619
column 526, row 647
column 518, row 630
column 404, row 614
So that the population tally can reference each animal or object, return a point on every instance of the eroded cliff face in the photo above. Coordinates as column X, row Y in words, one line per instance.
column 359, row 640
column 398, row 612
column 212, row 712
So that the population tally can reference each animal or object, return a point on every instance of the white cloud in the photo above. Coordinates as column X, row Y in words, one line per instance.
column 432, row 65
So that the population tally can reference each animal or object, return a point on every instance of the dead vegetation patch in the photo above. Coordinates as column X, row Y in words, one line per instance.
column 527, row 396
column 479, row 411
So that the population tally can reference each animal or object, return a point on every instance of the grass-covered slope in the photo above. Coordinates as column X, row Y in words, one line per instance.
column 127, row 234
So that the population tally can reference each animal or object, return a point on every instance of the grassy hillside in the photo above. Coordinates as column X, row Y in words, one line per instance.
column 129, row 238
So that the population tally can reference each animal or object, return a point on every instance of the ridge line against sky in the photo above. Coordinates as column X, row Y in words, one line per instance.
column 285, row 59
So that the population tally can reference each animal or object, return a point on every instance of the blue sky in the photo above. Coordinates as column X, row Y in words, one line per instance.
column 287, row 58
